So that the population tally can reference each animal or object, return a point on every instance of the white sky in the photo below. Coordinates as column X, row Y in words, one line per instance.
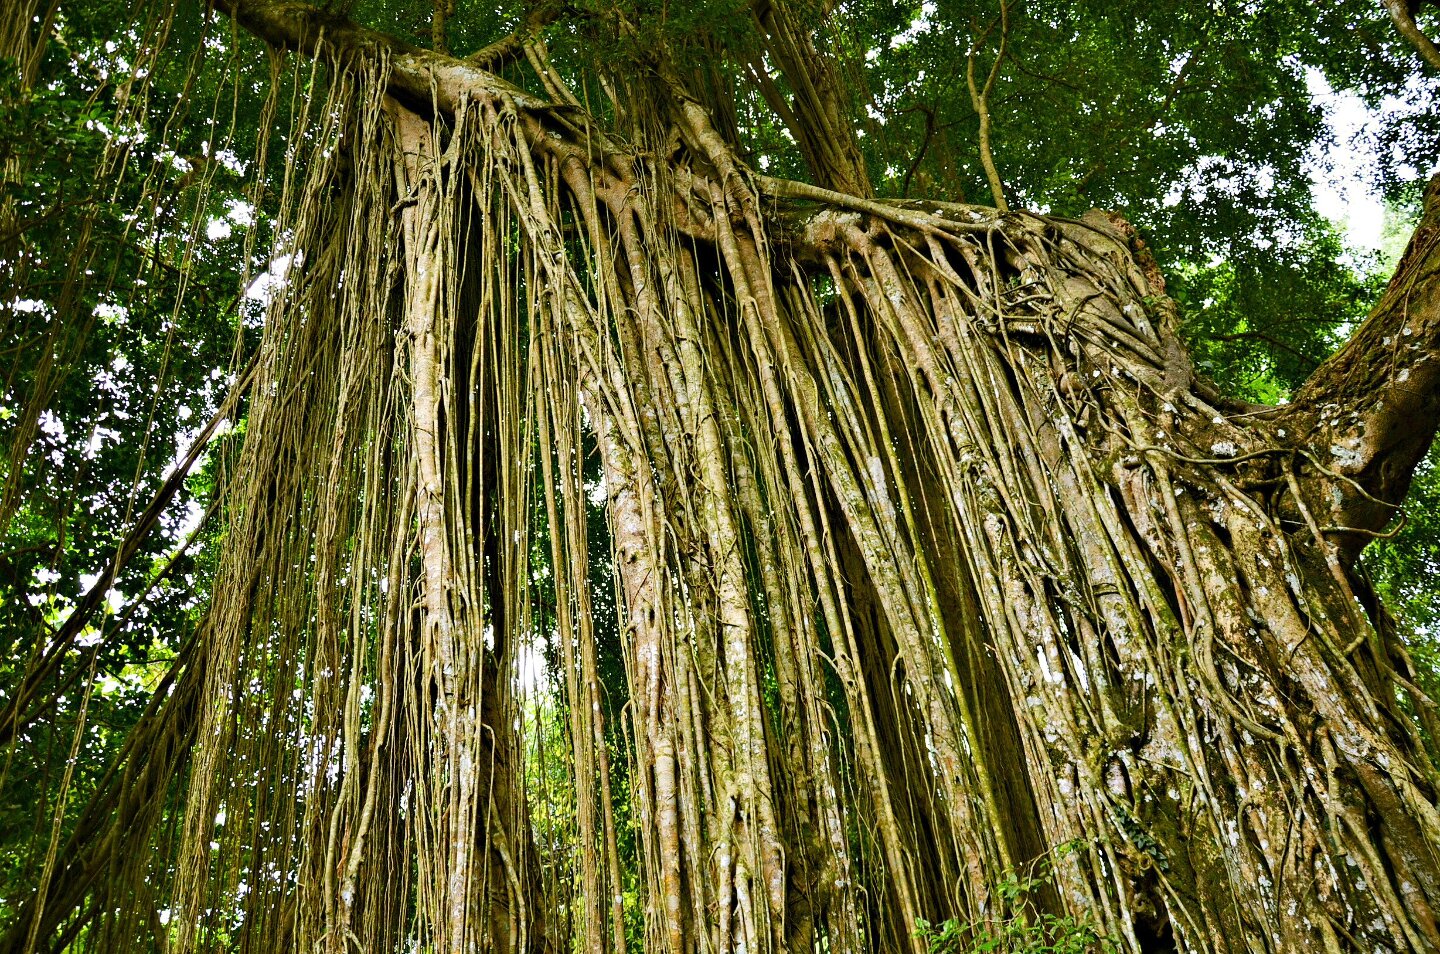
column 1340, row 174
column 1341, row 191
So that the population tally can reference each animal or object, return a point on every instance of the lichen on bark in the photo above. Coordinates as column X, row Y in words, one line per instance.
column 931, row 551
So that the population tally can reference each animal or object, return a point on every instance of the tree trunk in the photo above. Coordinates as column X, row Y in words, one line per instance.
column 933, row 552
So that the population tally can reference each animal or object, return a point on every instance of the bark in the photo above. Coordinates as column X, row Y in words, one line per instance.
column 1402, row 12
column 932, row 552
column 1368, row 415
column 816, row 113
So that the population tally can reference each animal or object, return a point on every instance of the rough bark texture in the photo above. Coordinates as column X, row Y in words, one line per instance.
column 931, row 549
column 1368, row 414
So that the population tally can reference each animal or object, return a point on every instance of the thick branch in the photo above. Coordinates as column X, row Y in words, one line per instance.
column 512, row 45
column 1371, row 411
column 425, row 79
column 417, row 76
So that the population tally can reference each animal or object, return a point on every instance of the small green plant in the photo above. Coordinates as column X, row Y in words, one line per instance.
column 1016, row 927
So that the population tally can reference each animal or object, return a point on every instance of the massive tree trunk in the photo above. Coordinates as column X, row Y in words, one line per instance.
column 933, row 552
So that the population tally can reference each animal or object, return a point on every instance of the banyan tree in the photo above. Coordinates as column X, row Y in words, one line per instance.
column 624, row 525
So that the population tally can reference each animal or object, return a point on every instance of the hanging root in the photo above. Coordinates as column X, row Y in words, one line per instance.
column 929, row 552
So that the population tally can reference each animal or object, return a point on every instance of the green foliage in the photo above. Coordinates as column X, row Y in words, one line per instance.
column 1406, row 568
column 1258, row 324
column 1018, row 926
column 1199, row 123
column 93, row 273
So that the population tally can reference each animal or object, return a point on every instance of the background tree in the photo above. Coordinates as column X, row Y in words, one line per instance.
column 620, row 525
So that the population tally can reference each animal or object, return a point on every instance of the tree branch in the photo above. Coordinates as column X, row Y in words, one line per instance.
column 930, row 127
column 980, row 100
column 1403, row 13
column 443, row 11
column 512, row 46
column 21, row 709
column 417, row 76
column 1372, row 409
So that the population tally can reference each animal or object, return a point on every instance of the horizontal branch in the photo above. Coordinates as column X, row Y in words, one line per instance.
column 417, row 75
column 425, row 80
